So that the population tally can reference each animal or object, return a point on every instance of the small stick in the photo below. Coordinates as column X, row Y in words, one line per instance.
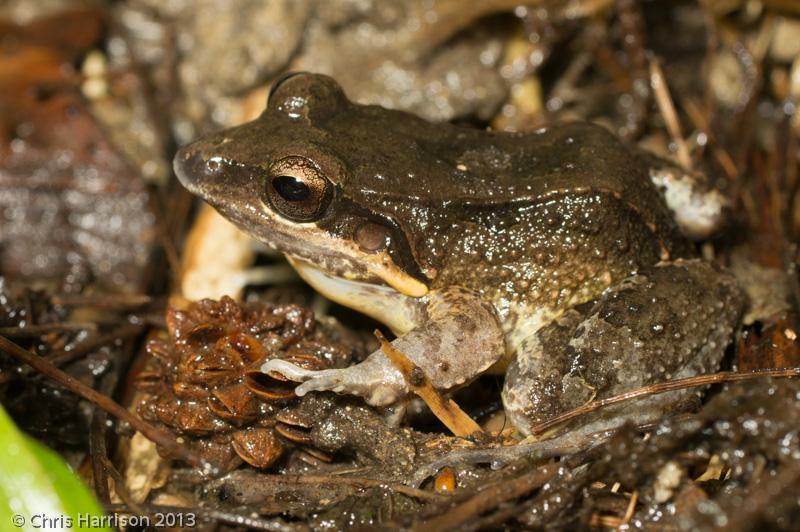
column 34, row 331
column 663, row 387
column 609, row 521
column 488, row 498
column 119, row 485
column 631, row 21
column 631, row 508
column 357, row 482
column 105, row 301
column 157, row 436
column 62, row 357
column 446, row 410
column 700, row 121
column 667, row 108
column 97, row 451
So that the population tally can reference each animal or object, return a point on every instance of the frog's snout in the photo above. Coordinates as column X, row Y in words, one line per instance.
column 194, row 169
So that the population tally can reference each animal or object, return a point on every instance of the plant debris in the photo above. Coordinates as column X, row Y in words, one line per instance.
column 205, row 381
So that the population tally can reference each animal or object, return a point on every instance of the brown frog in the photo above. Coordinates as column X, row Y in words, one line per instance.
column 551, row 254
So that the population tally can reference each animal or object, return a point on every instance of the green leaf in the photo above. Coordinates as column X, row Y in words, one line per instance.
column 38, row 491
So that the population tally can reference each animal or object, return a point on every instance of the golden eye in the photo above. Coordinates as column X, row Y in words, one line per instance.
column 296, row 189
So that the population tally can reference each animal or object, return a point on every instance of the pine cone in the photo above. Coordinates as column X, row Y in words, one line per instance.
column 205, row 384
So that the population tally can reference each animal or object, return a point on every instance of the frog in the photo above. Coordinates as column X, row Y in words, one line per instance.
column 553, row 256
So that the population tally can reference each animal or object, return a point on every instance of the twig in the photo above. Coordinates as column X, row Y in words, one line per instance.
column 358, row 482
column 446, row 410
column 34, row 331
column 631, row 508
column 61, row 357
column 104, row 301
column 631, row 21
column 667, row 108
column 570, row 443
column 712, row 43
column 157, row 436
column 700, row 122
column 662, row 387
column 119, row 486
column 612, row 521
column 742, row 125
column 97, row 452
column 488, row 498
column 494, row 521
column 163, row 236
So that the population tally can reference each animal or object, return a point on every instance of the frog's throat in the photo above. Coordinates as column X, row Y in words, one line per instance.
column 387, row 304
column 387, row 272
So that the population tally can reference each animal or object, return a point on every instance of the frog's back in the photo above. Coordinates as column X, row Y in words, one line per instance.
column 554, row 253
column 538, row 220
column 443, row 162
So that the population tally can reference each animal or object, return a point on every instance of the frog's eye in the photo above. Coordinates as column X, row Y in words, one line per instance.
column 281, row 80
column 297, row 190
column 299, row 94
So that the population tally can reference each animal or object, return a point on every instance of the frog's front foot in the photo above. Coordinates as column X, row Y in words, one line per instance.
column 459, row 339
column 376, row 381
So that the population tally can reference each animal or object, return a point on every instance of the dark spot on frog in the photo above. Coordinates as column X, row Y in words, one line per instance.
column 444, row 367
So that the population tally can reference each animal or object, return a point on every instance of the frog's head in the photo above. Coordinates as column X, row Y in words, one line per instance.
column 284, row 180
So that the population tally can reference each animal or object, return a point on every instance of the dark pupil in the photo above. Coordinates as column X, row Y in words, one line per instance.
column 290, row 188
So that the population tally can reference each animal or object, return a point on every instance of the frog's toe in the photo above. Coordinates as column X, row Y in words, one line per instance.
column 323, row 380
column 378, row 385
column 353, row 381
column 313, row 380
column 287, row 369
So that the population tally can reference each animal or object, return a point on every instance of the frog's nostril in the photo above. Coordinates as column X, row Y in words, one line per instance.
column 213, row 165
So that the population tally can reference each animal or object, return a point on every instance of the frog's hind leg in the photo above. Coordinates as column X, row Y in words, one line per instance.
column 460, row 339
column 670, row 321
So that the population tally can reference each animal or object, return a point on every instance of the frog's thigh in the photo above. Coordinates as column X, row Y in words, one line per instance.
column 460, row 339
column 670, row 321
